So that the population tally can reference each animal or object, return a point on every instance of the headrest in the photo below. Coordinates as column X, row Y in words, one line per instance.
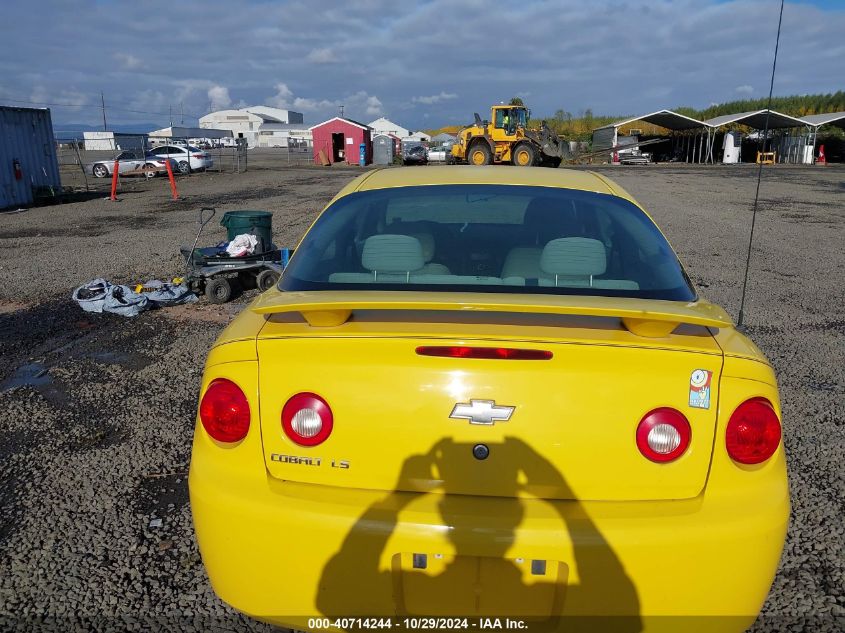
column 427, row 243
column 426, row 240
column 574, row 257
column 392, row 254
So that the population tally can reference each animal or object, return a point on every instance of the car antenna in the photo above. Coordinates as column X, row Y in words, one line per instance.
column 740, row 319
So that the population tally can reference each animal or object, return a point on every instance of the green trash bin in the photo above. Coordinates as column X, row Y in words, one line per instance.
column 258, row 223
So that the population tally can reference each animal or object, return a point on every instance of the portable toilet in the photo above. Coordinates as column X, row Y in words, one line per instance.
column 809, row 146
column 383, row 149
column 731, row 146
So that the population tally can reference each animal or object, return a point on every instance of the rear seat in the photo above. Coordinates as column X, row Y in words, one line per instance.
column 403, row 259
column 572, row 262
column 567, row 262
column 523, row 261
column 389, row 258
column 430, row 268
column 575, row 262
column 415, row 278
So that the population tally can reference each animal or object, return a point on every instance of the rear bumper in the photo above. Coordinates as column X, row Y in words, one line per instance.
column 198, row 164
column 281, row 551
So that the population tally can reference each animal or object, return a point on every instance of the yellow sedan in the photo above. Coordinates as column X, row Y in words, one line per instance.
column 488, row 393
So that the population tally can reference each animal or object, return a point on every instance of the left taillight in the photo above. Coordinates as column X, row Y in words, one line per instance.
column 224, row 411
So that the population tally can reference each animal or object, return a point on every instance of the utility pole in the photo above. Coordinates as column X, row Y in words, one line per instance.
column 181, row 113
column 341, row 111
column 171, row 115
column 103, row 102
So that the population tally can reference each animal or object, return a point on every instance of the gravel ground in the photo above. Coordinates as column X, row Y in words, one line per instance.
column 95, row 440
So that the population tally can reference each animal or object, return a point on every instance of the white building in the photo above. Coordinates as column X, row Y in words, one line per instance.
column 276, row 114
column 385, row 126
column 261, row 126
column 417, row 137
column 114, row 141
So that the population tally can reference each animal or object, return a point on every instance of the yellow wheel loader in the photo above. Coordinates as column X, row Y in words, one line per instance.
column 506, row 138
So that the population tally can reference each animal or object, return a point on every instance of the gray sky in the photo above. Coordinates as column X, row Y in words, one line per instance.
column 422, row 64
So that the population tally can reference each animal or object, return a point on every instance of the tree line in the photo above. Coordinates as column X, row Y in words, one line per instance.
column 581, row 125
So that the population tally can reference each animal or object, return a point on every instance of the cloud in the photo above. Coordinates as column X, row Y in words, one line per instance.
column 744, row 89
column 354, row 104
column 282, row 98
column 285, row 99
column 373, row 105
column 378, row 56
column 64, row 97
column 219, row 97
column 127, row 61
column 322, row 56
column 311, row 105
column 443, row 96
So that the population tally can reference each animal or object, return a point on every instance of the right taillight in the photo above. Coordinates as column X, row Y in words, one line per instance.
column 753, row 432
column 307, row 419
column 663, row 435
column 224, row 411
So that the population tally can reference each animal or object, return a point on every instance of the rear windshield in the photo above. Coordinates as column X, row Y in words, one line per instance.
column 488, row 238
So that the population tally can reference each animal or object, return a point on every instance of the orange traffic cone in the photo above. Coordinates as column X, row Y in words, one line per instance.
column 821, row 159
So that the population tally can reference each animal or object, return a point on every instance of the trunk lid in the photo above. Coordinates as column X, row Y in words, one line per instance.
column 401, row 419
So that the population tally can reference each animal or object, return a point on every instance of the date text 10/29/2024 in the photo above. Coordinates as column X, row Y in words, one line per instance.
column 419, row 623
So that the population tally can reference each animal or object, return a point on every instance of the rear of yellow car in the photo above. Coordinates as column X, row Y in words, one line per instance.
column 569, row 459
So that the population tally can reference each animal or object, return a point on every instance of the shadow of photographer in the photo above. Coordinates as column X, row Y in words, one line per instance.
column 581, row 586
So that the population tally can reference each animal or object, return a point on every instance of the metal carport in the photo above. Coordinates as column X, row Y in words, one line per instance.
column 818, row 120
column 692, row 145
column 756, row 119
column 815, row 121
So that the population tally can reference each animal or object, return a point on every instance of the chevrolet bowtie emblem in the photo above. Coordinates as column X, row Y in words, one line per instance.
column 481, row 412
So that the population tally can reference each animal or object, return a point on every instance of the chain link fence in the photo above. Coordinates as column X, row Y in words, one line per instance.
column 293, row 153
column 88, row 164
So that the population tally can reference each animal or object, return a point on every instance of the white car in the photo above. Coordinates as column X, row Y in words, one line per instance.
column 131, row 163
column 442, row 154
column 188, row 158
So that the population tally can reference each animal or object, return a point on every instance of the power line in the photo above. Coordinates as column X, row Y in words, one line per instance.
column 91, row 105
column 759, row 174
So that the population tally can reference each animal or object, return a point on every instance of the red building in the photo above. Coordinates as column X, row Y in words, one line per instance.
column 397, row 144
column 339, row 140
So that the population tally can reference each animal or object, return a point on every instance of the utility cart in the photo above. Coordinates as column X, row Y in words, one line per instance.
column 211, row 270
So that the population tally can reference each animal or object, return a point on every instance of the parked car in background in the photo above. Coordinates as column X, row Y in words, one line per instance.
column 127, row 162
column 157, row 166
column 188, row 158
column 634, row 157
column 442, row 154
column 416, row 155
column 132, row 163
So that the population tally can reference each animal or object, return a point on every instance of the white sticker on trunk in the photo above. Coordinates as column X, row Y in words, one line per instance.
column 699, row 389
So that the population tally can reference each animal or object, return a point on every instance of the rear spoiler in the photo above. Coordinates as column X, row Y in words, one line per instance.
column 643, row 317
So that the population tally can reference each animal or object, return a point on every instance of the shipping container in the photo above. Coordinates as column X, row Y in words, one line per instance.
column 28, row 163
